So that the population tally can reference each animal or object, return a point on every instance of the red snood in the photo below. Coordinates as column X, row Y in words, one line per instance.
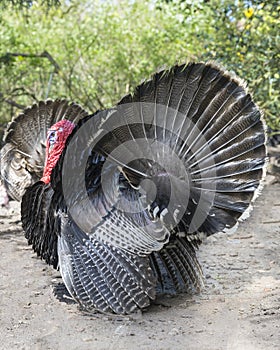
column 56, row 139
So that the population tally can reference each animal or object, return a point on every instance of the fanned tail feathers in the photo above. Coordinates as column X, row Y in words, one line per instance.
column 194, row 130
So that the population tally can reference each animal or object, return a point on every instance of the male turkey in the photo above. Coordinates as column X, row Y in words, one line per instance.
column 125, row 199
column 23, row 155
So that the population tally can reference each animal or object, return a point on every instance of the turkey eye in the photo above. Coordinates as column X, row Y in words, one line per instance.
column 51, row 137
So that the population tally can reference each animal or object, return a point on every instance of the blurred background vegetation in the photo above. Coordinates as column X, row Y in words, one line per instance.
column 94, row 52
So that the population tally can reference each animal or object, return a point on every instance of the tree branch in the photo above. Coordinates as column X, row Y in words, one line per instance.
column 11, row 102
column 44, row 54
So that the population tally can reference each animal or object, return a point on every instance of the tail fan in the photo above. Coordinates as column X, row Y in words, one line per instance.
column 196, row 131
column 23, row 155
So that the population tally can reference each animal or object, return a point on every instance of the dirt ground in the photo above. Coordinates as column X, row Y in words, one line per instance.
column 238, row 309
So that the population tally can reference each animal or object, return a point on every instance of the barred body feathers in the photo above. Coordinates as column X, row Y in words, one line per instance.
column 138, row 185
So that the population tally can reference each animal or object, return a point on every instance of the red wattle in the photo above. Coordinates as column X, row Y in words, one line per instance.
column 63, row 129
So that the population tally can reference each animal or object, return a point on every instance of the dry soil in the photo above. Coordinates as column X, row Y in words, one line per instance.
column 239, row 307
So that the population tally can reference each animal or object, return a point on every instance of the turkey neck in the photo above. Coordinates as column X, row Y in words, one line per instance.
column 61, row 130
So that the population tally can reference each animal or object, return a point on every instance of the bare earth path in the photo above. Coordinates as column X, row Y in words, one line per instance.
column 238, row 309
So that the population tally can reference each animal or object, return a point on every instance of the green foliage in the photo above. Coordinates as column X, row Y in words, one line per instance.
column 252, row 50
column 102, row 50
column 21, row 4
column 244, row 36
column 95, row 52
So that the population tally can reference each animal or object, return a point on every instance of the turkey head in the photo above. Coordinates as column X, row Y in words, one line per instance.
column 56, row 138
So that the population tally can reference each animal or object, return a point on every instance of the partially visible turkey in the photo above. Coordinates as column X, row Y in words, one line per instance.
column 124, row 203
column 23, row 155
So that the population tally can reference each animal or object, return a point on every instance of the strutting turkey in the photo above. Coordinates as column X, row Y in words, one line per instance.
column 23, row 155
column 125, row 199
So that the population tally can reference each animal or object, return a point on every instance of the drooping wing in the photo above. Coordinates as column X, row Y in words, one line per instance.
column 100, row 276
column 40, row 220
